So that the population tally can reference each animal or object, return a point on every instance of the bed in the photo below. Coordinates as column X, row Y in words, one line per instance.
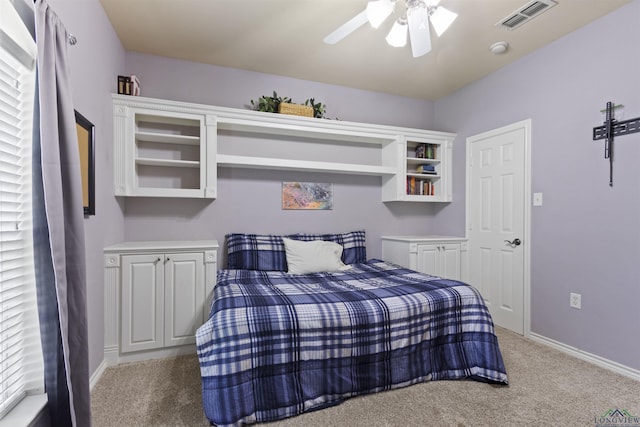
column 298, row 325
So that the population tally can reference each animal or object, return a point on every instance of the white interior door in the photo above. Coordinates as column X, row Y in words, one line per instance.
column 498, row 221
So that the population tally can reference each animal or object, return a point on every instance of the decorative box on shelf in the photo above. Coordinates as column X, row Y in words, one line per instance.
column 295, row 109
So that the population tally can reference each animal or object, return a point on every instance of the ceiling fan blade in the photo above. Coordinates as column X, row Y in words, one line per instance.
column 347, row 28
column 418, row 20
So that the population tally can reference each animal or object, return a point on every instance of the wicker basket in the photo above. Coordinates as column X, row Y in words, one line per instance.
column 295, row 109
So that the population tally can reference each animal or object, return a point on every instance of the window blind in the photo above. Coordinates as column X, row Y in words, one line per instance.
column 21, row 367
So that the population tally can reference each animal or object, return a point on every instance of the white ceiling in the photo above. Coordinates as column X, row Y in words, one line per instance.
column 284, row 37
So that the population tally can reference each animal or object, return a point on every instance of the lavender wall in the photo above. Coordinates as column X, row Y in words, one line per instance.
column 179, row 80
column 95, row 61
column 586, row 236
column 99, row 57
column 249, row 200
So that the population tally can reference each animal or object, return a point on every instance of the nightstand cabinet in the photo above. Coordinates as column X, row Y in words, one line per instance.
column 440, row 256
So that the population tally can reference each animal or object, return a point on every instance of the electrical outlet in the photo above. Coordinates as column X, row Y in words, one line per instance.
column 575, row 300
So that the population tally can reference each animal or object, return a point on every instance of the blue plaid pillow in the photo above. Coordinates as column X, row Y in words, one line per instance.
column 256, row 252
column 266, row 252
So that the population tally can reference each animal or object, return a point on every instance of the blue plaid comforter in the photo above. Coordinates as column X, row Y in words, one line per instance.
column 277, row 345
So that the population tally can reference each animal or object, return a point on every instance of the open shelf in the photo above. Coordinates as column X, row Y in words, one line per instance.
column 302, row 165
column 168, row 163
column 311, row 128
column 417, row 161
column 167, row 138
column 415, row 186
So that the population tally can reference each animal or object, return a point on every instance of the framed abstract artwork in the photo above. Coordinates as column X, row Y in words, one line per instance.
column 307, row 195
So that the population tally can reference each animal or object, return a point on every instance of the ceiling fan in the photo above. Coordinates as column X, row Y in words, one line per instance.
column 415, row 22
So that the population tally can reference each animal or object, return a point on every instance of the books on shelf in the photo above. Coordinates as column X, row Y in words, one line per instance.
column 426, row 169
column 419, row 187
column 129, row 85
column 426, row 151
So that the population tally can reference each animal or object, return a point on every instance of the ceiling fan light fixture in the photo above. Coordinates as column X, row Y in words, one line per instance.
column 441, row 19
column 378, row 11
column 397, row 37
column 414, row 25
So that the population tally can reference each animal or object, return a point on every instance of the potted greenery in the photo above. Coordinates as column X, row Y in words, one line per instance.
column 318, row 108
column 274, row 104
column 269, row 104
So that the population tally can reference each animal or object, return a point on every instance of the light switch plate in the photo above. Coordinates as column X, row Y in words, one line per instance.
column 537, row 199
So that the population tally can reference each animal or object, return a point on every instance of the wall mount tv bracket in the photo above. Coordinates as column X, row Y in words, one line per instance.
column 609, row 130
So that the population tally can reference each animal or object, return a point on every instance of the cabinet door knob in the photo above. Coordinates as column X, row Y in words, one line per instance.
column 168, row 259
column 159, row 259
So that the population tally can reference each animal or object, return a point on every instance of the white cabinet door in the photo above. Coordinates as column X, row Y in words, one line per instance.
column 184, row 297
column 428, row 259
column 440, row 259
column 142, row 302
column 450, row 261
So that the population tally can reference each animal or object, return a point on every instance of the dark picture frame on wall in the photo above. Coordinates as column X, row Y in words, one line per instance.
column 86, row 142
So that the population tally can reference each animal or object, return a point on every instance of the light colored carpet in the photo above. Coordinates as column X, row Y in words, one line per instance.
column 547, row 388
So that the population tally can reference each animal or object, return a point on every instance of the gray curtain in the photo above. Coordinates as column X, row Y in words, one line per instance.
column 59, row 229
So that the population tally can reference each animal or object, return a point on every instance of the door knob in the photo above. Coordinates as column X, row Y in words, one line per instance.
column 514, row 243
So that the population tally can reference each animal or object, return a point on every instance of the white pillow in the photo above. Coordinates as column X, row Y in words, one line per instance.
column 313, row 257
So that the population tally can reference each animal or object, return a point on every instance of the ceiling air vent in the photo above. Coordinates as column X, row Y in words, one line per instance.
column 525, row 13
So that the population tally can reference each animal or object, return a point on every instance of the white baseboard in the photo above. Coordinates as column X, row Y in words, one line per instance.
column 97, row 374
column 112, row 357
column 588, row 357
column 156, row 354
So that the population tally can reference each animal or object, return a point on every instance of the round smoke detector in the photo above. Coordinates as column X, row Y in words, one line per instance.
column 499, row 47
